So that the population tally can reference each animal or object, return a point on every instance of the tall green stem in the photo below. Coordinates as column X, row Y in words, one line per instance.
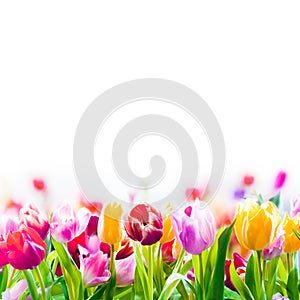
column 150, row 271
column 289, row 259
column 259, row 268
column 201, row 275
column 41, row 282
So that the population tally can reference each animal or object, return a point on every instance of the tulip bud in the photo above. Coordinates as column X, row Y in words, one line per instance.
column 291, row 241
column 144, row 224
column 32, row 217
column 168, row 232
column 196, row 232
column 251, row 218
column 109, row 226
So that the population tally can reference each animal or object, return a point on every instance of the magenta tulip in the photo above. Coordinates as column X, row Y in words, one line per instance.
column 66, row 225
column 195, row 228
column 295, row 207
column 32, row 217
column 15, row 292
column 125, row 270
column 93, row 267
column 144, row 224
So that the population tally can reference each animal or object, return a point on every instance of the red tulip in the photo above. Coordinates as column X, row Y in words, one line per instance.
column 32, row 217
column 39, row 184
column 144, row 224
column 24, row 249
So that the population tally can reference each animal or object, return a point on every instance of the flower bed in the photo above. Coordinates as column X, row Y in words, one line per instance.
column 80, row 254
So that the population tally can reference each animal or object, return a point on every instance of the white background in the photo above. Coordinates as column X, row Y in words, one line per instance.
column 56, row 57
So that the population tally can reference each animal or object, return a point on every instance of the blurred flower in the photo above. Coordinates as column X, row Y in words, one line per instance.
column 32, row 217
column 144, row 224
column 7, row 224
column 194, row 193
column 280, row 180
column 39, row 184
column 94, row 207
column 239, row 194
column 93, row 267
column 278, row 296
column 295, row 206
column 274, row 249
column 251, row 218
column 125, row 269
column 248, row 180
column 66, row 225
column 15, row 292
column 12, row 208
column 291, row 242
column 24, row 248
column 240, row 265
column 196, row 232
column 109, row 226
column 168, row 232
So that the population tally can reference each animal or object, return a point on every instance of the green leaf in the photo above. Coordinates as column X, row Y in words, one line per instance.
column 31, row 285
column 170, row 285
column 276, row 199
column 239, row 284
column 70, row 270
column 270, row 285
column 216, row 290
column 3, row 279
column 292, row 285
column 98, row 293
column 231, row 295
column 297, row 233
column 250, row 275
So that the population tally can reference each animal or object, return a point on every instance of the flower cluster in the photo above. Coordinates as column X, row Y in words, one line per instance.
column 87, row 254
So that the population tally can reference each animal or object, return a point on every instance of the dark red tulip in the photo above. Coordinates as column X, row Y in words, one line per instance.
column 144, row 224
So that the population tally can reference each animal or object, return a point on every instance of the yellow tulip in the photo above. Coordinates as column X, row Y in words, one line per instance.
column 256, row 225
column 168, row 232
column 109, row 226
column 291, row 242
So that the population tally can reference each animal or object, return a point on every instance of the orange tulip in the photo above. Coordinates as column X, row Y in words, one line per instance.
column 168, row 232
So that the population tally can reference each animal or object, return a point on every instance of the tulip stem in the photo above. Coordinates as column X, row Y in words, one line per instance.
column 11, row 277
column 150, row 271
column 288, row 258
column 41, row 282
column 201, row 275
column 260, row 283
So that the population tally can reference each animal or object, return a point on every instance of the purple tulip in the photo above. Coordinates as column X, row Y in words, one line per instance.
column 7, row 224
column 197, row 231
column 125, row 270
column 278, row 296
column 93, row 267
column 275, row 249
column 66, row 225
column 295, row 207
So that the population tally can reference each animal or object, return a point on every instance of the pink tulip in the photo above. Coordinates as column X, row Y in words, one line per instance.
column 16, row 291
column 275, row 249
column 125, row 270
column 32, row 217
column 295, row 207
column 93, row 267
column 278, row 296
column 66, row 225
column 196, row 232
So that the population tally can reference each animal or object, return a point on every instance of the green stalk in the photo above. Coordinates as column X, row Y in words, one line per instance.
column 40, row 280
column 259, row 268
column 31, row 285
column 109, row 294
column 201, row 275
column 289, row 262
column 150, row 271
column 11, row 277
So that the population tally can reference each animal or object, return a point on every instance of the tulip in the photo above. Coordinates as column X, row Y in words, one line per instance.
column 66, row 225
column 256, row 226
column 32, row 217
column 16, row 291
column 291, row 242
column 24, row 248
column 93, row 267
column 275, row 249
column 240, row 265
column 125, row 250
column 168, row 232
column 125, row 269
column 280, row 180
column 196, row 232
column 295, row 207
column 109, row 226
column 39, row 184
column 144, row 224
column 278, row 296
